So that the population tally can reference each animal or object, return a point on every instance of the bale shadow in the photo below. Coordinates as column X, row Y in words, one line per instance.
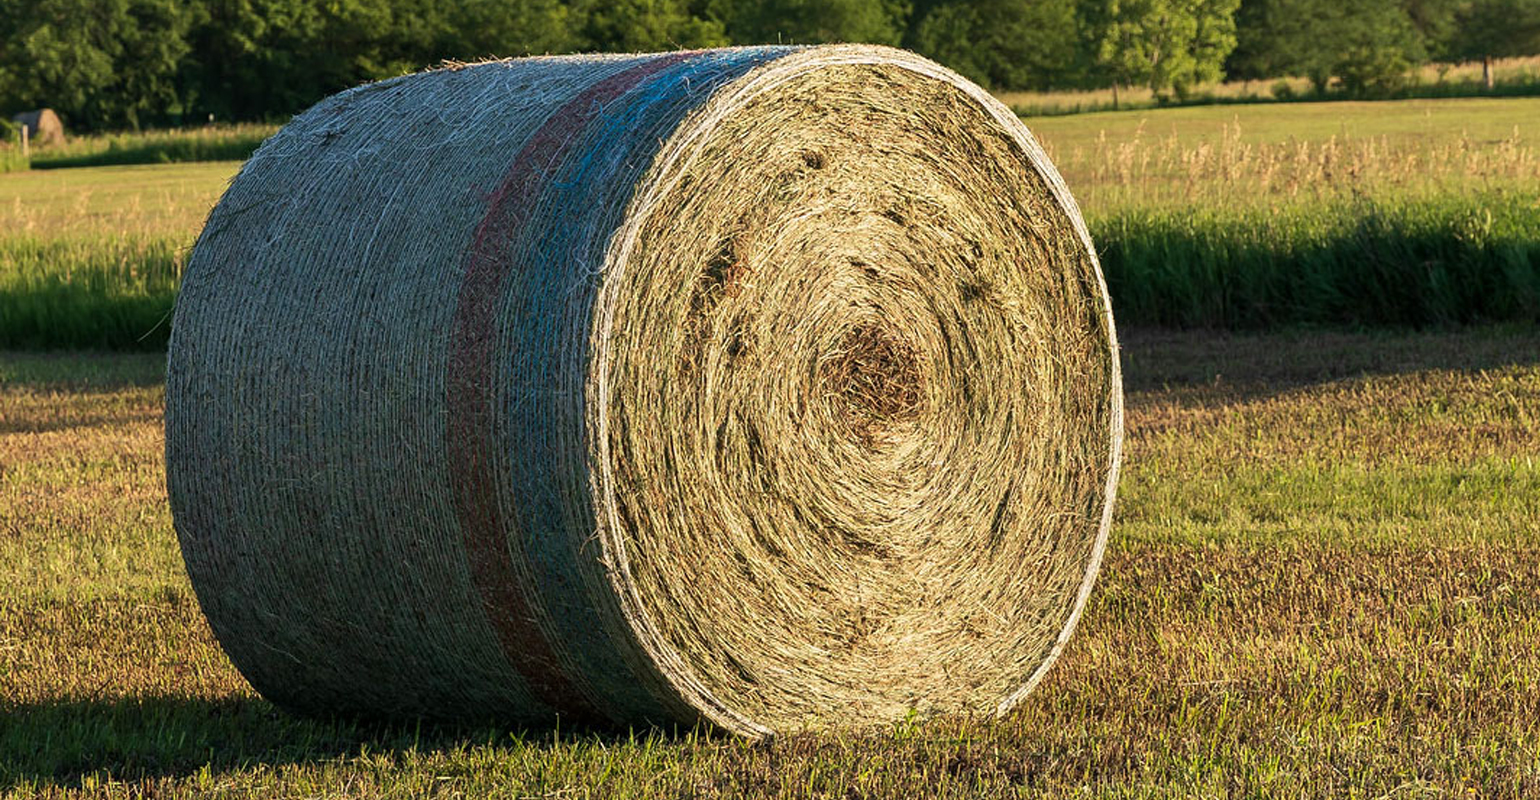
column 1206, row 367
column 82, row 423
column 80, row 372
column 132, row 739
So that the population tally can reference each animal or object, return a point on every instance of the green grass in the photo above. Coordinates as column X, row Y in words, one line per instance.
column 1449, row 260
column 1413, row 213
column 91, row 258
column 215, row 143
column 11, row 160
column 1482, row 121
column 100, row 292
column 169, row 200
column 1321, row 583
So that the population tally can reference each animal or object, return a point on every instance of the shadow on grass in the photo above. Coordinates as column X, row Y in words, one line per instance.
column 81, row 372
column 81, row 424
column 1228, row 367
column 147, row 738
column 165, row 150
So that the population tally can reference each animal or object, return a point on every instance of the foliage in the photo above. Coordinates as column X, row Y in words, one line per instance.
column 1367, row 44
column 1495, row 28
column 1002, row 43
column 1166, row 43
column 813, row 21
column 649, row 25
column 112, row 62
column 106, row 64
column 1512, row 77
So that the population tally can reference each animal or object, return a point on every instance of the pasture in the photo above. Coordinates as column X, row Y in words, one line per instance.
column 1323, row 578
column 1321, row 582
column 1237, row 217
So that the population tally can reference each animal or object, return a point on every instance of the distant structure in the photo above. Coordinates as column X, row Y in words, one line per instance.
column 43, row 126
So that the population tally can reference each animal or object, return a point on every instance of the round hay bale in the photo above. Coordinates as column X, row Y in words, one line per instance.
column 765, row 387
column 43, row 127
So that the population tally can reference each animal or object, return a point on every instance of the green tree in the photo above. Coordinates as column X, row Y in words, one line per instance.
column 1266, row 34
column 254, row 59
column 812, row 21
column 1005, row 44
column 1166, row 44
column 646, row 25
column 505, row 28
column 100, row 63
column 1367, row 45
column 1488, row 29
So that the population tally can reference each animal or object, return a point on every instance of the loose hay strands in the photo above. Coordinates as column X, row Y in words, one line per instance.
column 771, row 387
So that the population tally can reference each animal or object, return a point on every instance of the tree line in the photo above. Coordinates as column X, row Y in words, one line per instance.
column 128, row 63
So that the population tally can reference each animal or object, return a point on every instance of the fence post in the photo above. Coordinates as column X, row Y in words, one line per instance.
column 24, row 136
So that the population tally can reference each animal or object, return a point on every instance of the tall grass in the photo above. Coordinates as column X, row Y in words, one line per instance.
column 1244, row 218
column 214, row 143
column 11, row 157
column 1224, row 167
column 1513, row 77
column 1441, row 261
column 112, row 293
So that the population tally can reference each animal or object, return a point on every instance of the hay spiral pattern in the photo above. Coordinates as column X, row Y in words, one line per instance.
column 764, row 387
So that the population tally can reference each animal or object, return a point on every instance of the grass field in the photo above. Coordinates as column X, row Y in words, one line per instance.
column 1417, row 213
column 1273, row 156
column 1323, row 581
column 211, row 143
column 93, row 257
column 1512, row 77
column 1324, row 577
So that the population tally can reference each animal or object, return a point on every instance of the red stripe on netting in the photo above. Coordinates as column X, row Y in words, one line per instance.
column 491, row 554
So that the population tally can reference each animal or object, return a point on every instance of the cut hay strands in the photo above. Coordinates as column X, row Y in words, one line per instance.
column 768, row 387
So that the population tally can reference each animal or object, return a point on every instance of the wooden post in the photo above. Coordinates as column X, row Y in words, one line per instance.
column 25, row 152
column 1486, row 72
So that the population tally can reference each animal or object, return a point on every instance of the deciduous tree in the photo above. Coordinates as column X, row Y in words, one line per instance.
column 1002, row 43
column 1166, row 44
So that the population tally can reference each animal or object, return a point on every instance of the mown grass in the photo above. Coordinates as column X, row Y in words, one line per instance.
column 211, row 143
column 1323, row 581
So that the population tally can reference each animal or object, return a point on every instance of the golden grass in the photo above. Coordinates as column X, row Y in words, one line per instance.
column 132, row 201
column 1225, row 166
column 1212, row 155
column 1521, row 68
